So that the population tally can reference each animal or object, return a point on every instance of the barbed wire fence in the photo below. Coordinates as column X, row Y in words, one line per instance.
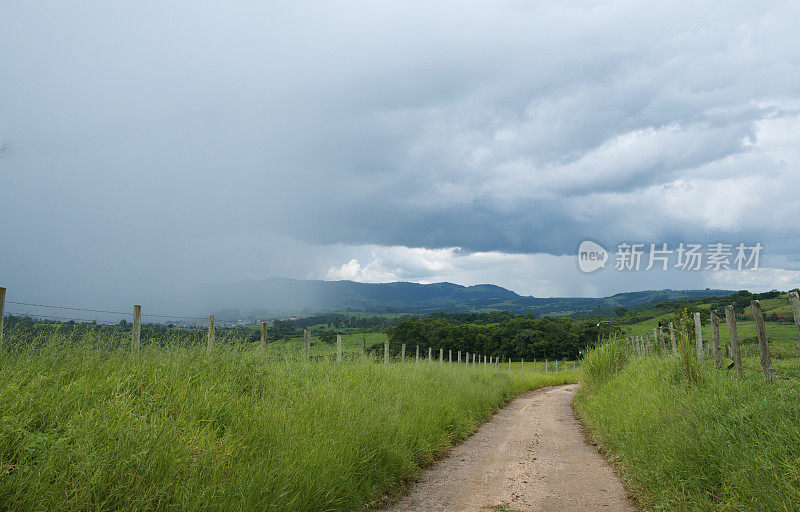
column 492, row 362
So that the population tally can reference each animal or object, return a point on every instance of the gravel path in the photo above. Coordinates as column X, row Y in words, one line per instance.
column 531, row 456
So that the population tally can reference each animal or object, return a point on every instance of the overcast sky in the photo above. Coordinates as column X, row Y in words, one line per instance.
column 151, row 146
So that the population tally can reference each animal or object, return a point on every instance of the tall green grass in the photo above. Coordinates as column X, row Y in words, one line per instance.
column 86, row 427
column 714, row 442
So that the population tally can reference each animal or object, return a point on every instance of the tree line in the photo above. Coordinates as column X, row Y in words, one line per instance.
column 522, row 337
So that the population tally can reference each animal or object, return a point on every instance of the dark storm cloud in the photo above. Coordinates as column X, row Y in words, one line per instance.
column 155, row 144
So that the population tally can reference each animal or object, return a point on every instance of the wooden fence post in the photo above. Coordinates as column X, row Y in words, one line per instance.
column 2, row 312
column 698, row 335
column 523, row 364
column 509, row 364
column 459, row 357
column 715, row 337
column 662, row 346
column 137, row 328
column 430, row 354
column 763, row 345
column 263, row 336
column 450, row 355
column 307, row 344
column 672, row 338
column 794, row 300
column 403, row 352
column 466, row 355
column 386, row 351
column 363, row 345
column 441, row 355
column 417, row 360
column 546, row 365
column 339, row 348
column 730, row 319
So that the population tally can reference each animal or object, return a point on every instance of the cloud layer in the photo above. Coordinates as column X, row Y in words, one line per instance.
column 154, row 146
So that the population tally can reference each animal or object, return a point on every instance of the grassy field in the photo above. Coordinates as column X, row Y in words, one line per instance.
column 720, row 443
column 176, row 428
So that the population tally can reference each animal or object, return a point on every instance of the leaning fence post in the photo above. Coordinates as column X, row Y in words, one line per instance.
column 403, row 352
column 307, row 344
column 730, row 319
column 794, row 300
column 263, row 336
column 715, row 337
column 763, row 345
column 137, row 328
column 698, row 335
column 339, row 348
column 2, row 312
column 386, row 351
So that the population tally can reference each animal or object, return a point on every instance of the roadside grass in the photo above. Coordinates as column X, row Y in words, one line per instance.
column 84, row 427
column 720, row 443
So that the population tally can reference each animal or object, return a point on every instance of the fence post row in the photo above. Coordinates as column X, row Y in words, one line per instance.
column 137, row 328
column 766, row 359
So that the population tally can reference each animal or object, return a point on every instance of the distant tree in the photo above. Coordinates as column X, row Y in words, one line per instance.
column 327, row 336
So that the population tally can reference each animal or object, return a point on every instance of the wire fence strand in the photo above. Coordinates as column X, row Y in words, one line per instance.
column 70, row 308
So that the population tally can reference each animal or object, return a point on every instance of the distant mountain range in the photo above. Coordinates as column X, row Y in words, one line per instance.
column 276, row 296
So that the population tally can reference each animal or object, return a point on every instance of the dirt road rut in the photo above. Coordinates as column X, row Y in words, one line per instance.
column 531, row 456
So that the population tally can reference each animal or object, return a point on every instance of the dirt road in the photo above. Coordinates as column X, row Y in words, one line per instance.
column 531, row 456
